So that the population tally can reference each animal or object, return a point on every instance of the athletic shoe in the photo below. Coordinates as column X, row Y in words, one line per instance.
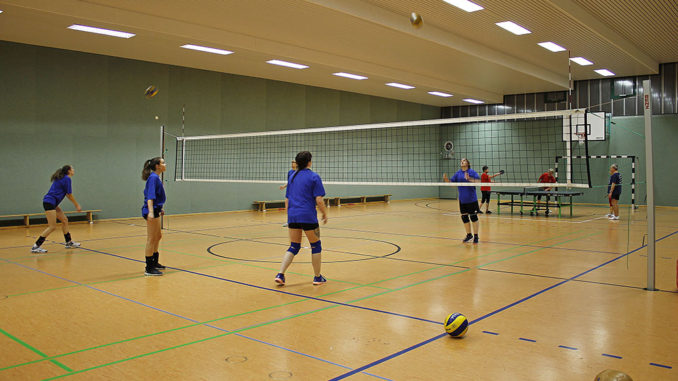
column 152, row 271
column 72, row 245
column 488, row 212
column 475, row 239
column 609, row 215
column 38, row 250
column 280, row 279
column 468, row 237
column 480, row 212
column 317, row 280
column 614, row 217
column 285, row 225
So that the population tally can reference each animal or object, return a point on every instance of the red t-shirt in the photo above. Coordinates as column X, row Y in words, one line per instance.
column 547, row 178
column 485, row 178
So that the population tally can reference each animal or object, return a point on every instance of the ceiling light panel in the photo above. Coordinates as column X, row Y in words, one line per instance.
column 287, row 64
column 552, row 46
column 400, row 85
column 604, row 72
column 349, row 75
column 513, row 27
column 440, row 94
column 207, row 49
column 107, row 32
column 474, row 101
column 464, row 5
column 581, row 61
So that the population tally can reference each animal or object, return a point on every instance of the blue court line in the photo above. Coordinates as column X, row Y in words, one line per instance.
column 530, row 340
column 566, row 347
column 394, row 355
column 613, row 356
column 491, row 333
column 661, row 366
column 185, row 318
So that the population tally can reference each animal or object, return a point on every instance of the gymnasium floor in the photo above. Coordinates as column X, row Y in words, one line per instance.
column 548, row 298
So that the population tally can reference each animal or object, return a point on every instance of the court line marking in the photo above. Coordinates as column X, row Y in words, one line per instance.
column 182, row 317
column 415, row 346
column 352, row 301
column 34, row 350
column 304, row 299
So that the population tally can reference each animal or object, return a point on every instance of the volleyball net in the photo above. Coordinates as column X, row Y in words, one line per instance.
column 414, row 153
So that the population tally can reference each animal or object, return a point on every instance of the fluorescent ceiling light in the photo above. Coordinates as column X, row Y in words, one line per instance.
column 604, row 72
column 513, row 27
column 287, row 64
column 349, row 75
column 581, row 60
column 0, row 10
column 551, row 46
column 207, row 49
column 440, row 94
column 400, row 85
column 474, row 101
column 465, row 5
column 108, row 32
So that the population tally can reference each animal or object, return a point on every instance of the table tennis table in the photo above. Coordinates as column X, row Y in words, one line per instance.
column 536, row 205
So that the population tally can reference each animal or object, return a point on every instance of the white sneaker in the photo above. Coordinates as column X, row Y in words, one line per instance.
column 38, row 250
column 614, row 217
column 72, row 245
column 609, row 215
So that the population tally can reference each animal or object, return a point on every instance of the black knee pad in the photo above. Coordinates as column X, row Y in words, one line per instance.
column 474, row 217
column 464, row 217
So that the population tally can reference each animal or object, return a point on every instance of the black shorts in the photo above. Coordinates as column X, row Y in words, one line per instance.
column 156, row 213
column 469, row 208
column 486, row 196
column 48, row 206
column 616, row 196
column 304, row 226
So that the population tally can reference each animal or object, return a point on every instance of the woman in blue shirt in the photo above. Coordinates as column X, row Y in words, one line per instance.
column 614, row 189
column 304, row 193
column 61, row 187
column 468, row 200
column 154, row 199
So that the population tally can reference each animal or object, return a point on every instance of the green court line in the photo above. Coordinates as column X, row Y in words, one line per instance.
column 34, row 350
column 294, row 302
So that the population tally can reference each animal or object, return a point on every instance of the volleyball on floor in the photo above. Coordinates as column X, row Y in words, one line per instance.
column 456, row 324
column 151, row 91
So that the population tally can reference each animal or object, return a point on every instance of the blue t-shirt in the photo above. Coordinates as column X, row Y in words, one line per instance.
column 301, row 192
column 615, row 179
column 289, row 174
column 466, row 194
column 59, row 189
column 153, row 191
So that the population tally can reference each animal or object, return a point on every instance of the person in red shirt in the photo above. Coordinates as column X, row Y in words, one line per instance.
column 547, row 177
column 486, row 191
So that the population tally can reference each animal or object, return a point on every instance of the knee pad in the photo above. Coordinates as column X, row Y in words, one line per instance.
column 316, row 247
column 464, row 217
column 294, row 248
column 474, row 217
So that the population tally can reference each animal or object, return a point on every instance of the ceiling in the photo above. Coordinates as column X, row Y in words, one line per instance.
column 464, row 54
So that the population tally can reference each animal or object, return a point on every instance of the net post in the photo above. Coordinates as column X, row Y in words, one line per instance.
column 568, row 151
column 586, row 147
column 649, row 175
column 633, row 182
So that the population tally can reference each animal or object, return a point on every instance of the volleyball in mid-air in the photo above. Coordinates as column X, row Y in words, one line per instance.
column 416, row 20
column 456, row 324
column 151, row 91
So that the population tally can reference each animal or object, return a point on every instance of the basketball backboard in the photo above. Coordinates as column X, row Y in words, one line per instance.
column 594, row 126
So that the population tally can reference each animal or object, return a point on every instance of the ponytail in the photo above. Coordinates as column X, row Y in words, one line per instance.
column 302, row 159
column 60, row 173
column 149, row 166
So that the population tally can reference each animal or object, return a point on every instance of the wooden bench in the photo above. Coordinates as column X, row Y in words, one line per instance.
column 363, row 199
column 261, row 205
column 26, row 216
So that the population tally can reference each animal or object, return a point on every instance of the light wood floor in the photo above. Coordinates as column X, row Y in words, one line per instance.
column 548, row 299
